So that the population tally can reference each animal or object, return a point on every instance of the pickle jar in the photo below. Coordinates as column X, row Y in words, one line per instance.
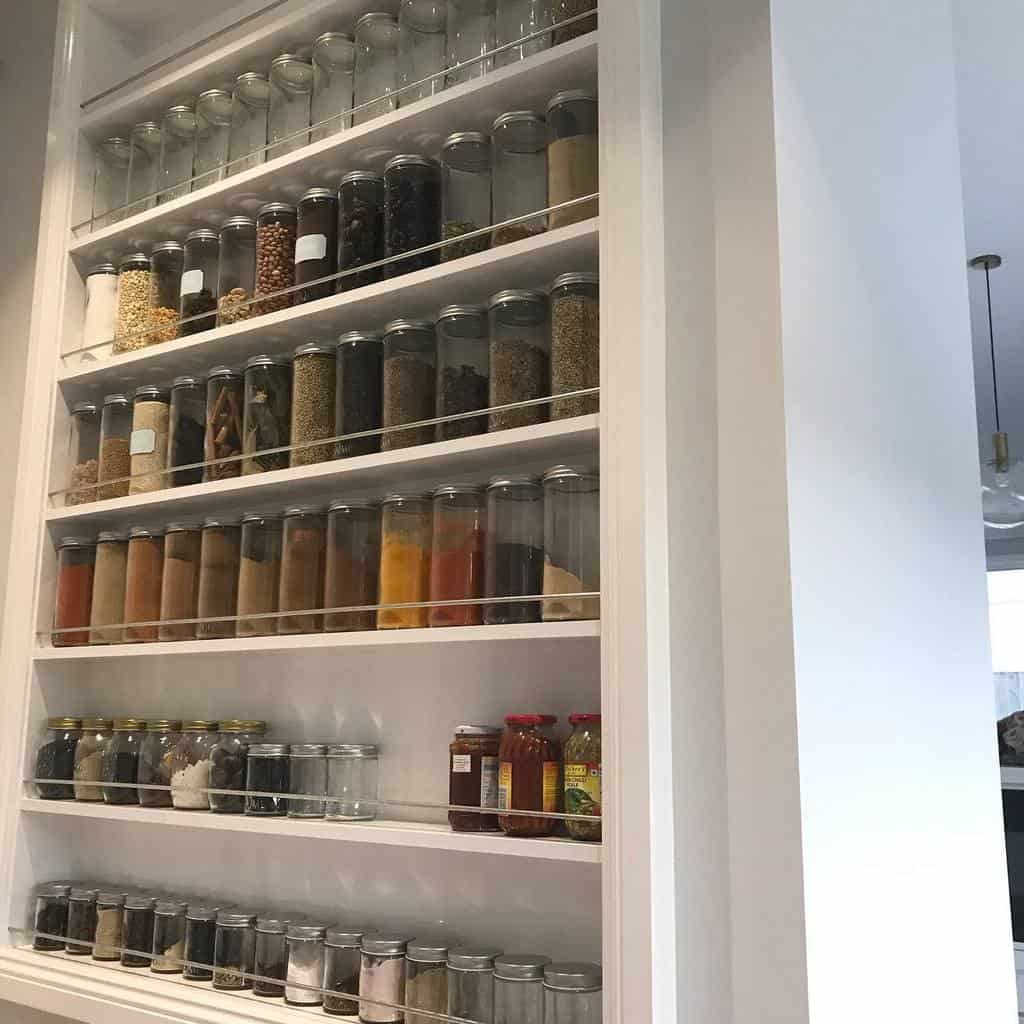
column 308, row 774
column 259, row 573
column 76, row 563
column 138, row 930
column 334, row 61
column 218, row 578
column 179, row 594
column 316, row 243
column 266, row 772
column 200, row 934
column 191, row 760
column 115, row 460
column 463, row 370
column 519, row 175
column 361, row 209
column 187, row 431
column 236, row 274
column 213, row 136
column 514, row 560
column 199, row 282
column 358, row 392
column 291, row 91
column 81, row 920
column 275, row 256
column 457, row 558
column 302, row 569
column 229, row 757
column 582, row 776
column 167, row 263
column 151, row 417
column 572, row 154
column 271, row 954
column 520, row 356
column 88, row 769
column 515, row 19
column 405, row 559
column 473, row 777
column 575, row 343
column 422, row 27
column 471, row 982
column 519, row 989
column 267, row 415
column 83, row 454
column 133, row 277
column 314, row 383
column 55, row 758
column 250, row 105
column 572, row 993
column 225, row 414
column 50, row 917
column 110, row 185
column 470, row 37
column 412, row 211
column 108, row 585
column 353, row 564
column 121, row 762
column 572, row 542
column 341, row 968
column 465, row 192
column 234, row 950
column 177, row 149
column 143, row 586
column 352, row 781
column 155, row 750
column 144, row 172
column 410, row 379
column 376, row 66
column 168, row 936
column 529, row 775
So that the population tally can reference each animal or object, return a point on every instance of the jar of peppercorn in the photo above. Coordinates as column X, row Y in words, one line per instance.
column 199, row 281
column 473, row 777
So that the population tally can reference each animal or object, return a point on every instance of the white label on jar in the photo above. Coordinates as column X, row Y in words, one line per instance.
column 310, row 247
column 191, row 282
column 488, row 782
column 143, row 442
column 462, row 763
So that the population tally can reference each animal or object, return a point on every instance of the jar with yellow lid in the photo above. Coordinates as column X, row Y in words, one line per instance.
column 227, row 770
column 155, row 752
column 121, row 761
column 191, row 760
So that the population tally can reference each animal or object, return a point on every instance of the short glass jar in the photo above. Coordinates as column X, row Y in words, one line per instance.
column 266, row 771
column 250, row 105
column 382, row 977
column 406, row 524
column 234, row 950
column 465, row 192
column 225, row 416
column 302, row 569
column 110, row 186
column 151, row 416
column 473, row 777
column 115, row 458
column 177, row 149
column 520, row 356
column 88, row 767
column 200, row 935
column 76, row 563
column 471, row 982
column 529, row 775
column 229, row 760
column 291, row 91
column 218, row 578
column 514, row 559
column 426, row 978
column 275, row 256
column 305, row 975
column 341, row 967
column 519, row 989
column 268, row 413
column 109, row 925
column 359, row 359
column 271, row 955
column 519, row 175
column 412, row 211
column 199, row 282
column 463, row 369
column 352, row 574
column 213, row 137
column 470, row 36
column 334, row 61
column 138, row 930
column 133, row 287
column 144, row 172
column 572, row 154
column 51, row 916
column 168, row 936
column 155, row 753
column 572, row 542
column 143, row 588
column 108, row 588
column 316, row 243
column 515, row 19
column 191, row 760
column 100, row 322
column 187, row 430
column 582, row 776
column 81, row 927
column 376, row 66
column 236, row 274
column 308, row 775
column 575, row 343
column 422, row 27
column 259, row 573
column 314, row 384
column 361, row 205
column 457, row 557
column 409, row 382
column 167, row 263
column 572, row 993
column 351, row 781
column 55, row 758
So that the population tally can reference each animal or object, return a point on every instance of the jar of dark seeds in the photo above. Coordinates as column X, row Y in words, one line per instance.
column 199, row 281
column 55, row 758
column 410, row 361
column 514, row 554
column 236, row 277
column 575, row 343
column 316, row 244
column 51, row 915
column 313, row 400
column 138, row 931
column 361, row 199
column 271, row 957
column 229, row 757
column 275, row 255
column 465, row 192
column 200, row 932
column 168, row 936
column 259, row 573
column 341, row 967
column 519, row 175
column 187, row 430
column 412, row 211
column 121, row 761
column 224, row 417
column 167, row 264
column 268, row 413
column 520, row 367
column 463, row 369
column 266, row 770
column 358, row 404
column 81, row 920
column 233, row 951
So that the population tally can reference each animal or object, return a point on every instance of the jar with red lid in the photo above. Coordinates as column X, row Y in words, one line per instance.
column 529, row 774
column 473, row 777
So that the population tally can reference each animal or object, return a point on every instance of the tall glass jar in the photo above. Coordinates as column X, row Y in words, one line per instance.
column 334, row 62
column 376, row 66
column 76, row 559
column 316, row 244
column 572, row 993
column 567, row 9
column 314, row 383
column 271, row 959
column 457, row 559
column 229, row 759
column 225, row 415
column 302, row 569
column 168, row 936
column 412, row 211
column 121, row 762
column 187, row 430
column 144, row 172
column 353, row 564
column 515, row 19
column 218, row 578
column 199, row 281
column 133, row 285
column 108, row 586
column 109, row 925
column 582, row 776
column 519, row 174
column 305, row 975
column 575, row 343
column 100, row 322
column 143, row 582
column 51, row 915
column 470, row 35
column 115, row 457
column 250, row 105
column 463, row 364
column 234, row 950
column 110, row 186
column 151, row 416
column 200, row 933
column 529, row 775
column 213, row 136
column 180, row 591
column 81, row 920
column 520, row 360
column 266, row 771
column 155, row 750
column 514, row 559
column 341, row 967
column 55, row 758
column 426, row 978
column 572, row 542
column 268, row 413
column 473, row 777
column 471, row 982
column 422, row 25
column 138, row 930
column 465, row 192
column 167, row 265
column 236, row 275
column 359, row 356
column 177, row 148
column 191, row 760
column 519, row 989
column 405, row 559
column 84, row 454
column 308, row 775
column 275, row 255
column 291, row 91
column 361, row 199
column 572, row 154
column 259, row 573
column 88, row 768
column 410, row 375
column 382, row 977
column 352, row 781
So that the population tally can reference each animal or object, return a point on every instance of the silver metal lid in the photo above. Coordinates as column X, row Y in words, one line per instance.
column 139, row 901
column 289, row 58
column 145, row 531
column 250, row 76
column 276, row 922
column 223, row 373
column 571, row 96
column 514, row 480
column 83, row 408
column 350, row 336
column 520, row 967
column 236, row 918
column 307, row 749
column 516, row 295
column 410, row 160
column 276, row 208
column 573, row 977
column 202, row 911
column 259, row 517
column 351, row 750
column 332, row 37
column 180, row 108
column 354, row 504
column 114, row 140
column 182, row 528
column 575, row 277
column 478, row 730
column 149, row 126
column 399, row 497
column 185, row 382
column 110, row 897
column 570, row 473
column 171, row 907
column 384, row 943
column 314, row 348
column 253, row 87
column 407, row 324
column 265, row 360
column 238, row 222
column 517, row 117
column 360, row 176
column 346, row 934
column 111, row 535
column 201, row 234
column 169, row 246
column 101, row 268
column 307, row 930
column 462, row 309
column 446, row 490
column 226, row 522
column 76, row 542
column 376, row 16
column 115, row 399
column 318, row 193
column 459, row 138
column 304, row 510
column 53, row 889
column 152, row 392
column 84, row 892
column 134, row 257
column 268, row 750
column 210, row 94
column 473, row 958
column 429, row 949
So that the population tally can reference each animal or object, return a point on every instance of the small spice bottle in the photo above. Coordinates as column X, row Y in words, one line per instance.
column 121, row 761
column 229, row 757
column 572, row 154
column 259, row 573
column 144, row 172
column 426, row 977
column 143, row 583
column 199, row 281
column 224, row 424
column 334, row 59
column 138, row 931
column 457, row 558
column 168, row 936
column 51, row 916
column 341, row 967
column 514, row 560
column 83, row 454
column 108, row 586
column 359, row 392
column 76, row 559
column 268, row 413
column 200, row 933
column 233, row 951
column 236, row 274
column 100, row 322
column 361, row 201
column 109, row 925
column 110, row 186
column 155, row 752
column 302, row 568
column 316, row 243
column 572, row 542
column 250, row 105
column 275, row 255
column 382, row 977
column 473, row 777
column 81, row 928
column 213, row 136
column 291, row 91
column 529, row 774
column 187, row 430
column 266, row 771
column 132, row 303
column 88, row 768
column 313, row 402
column 148, row 445
column 177, row 148
column 465, row 192
column 305, row 974
column 582, row 775
column 519, row 989
column 218, row 577
column 353, row 564
column 515, row 19
column 421, row 50
column 520, row 361
column 410, row 375
column 463, row 369
column 572, row 993
column 575, row 343
column 376, row 67
column 352, row 781
column 471, row 982
column 191, row 760
column 271, row 953
column 308, row 774
column 412, row 211
column 406, row 522
column 167, row 266
column 55, row 758
column 115, row 460
column 519, row 176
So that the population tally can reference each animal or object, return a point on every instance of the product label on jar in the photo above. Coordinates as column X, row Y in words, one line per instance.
column 583, row 788
column 310, row 247
column 191, row 282
column 143, row 442
column 505, row 785
column 550, row 787
column 489, row 782
column 462, row 763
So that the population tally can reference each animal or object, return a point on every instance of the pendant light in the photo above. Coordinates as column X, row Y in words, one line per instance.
column 1002, row 478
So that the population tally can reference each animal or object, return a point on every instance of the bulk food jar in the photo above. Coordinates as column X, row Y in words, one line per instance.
column 412, row 211
column 341, row 967
column 405, row 560
column 351, row 781
column 259, row 573
column 110, row 186
column 470, row 37
column 313, row 401
column 115, row 460
column 410, row 375
column 275, row 256
column 376, row 67
column 529, row 775
column 514, row 560
column 191, row 760
column 225, row 407
column 572, row 993
column 426, row 978
column 572, row 538
column 271, row 953
column 308, row 775
column 302, row 568
column 236, row 274
column 199, row 281
column 421, row 49
column 166, row 267
column 266, row 771
column 177, row 148
column 88, row 767
column 143, row 582
column 582, row 774
column 575, row 343
column 218, row 578
column 155, row 752
column 291, row 90
column 457, row 558
column 108, row 587
column 382, row 977
column 359, row 356
column 471, row 982
column 334, row 61
column 50, row 917
column 168, row 936
column 570, row 8
column 515, row 19
column 519, row 989
column 187, row 430
column 361, row 199
column 572, row 154
column 473, row 777
column 109, row 925
column 138, row 930
column 180, row 591
column 463, row 370
column 121, row 763
column 55, row 758
column 250, row 104
column 520, row 363
column 233, row 950
column 229, row 759
column 100, row 322
column 76, row 559
column 144, row 172
column 151, row 416
column 519, row 175
column 132, row 303
column 213, row 136
column 465, row 192
column 200, row 934
column 353, row 564
column 84, row 454
column 316, row 243
column 305, row 974
column 267, row 417
column 81, row 920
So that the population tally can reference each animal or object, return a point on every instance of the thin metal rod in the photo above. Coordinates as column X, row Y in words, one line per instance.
column 992, row 346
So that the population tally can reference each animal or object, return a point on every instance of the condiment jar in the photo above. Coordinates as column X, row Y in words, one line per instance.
column 250, row 105
column 308, row 775
column 225, row 409
column 177, row 148
column 151, row 413
column 76, row 560
column 302, row 569
column 100, row 322
column 412, row 211
column 167, row 262
column 582, row 775
column 376, row 66
column 572, row 154
column 519, row 176
column 316, row 243
column 575, row 343
column 572, row 542
column 470, row 37
column 115, row 460
column 334, row 60
column 291, row 90
column 426, row 977
column 155, row 753
column 361, row 202
column 404, row 559
column 199, row 282
column 218, row 578
column 463, row 369
column 519, row 989
column 83, row 454
column 473, row 777
column 180, row 589
column 382, row 977
column 143, row 583
column 233, row 950
column 410, row 378
column 109, row 925
column 121, row 761
column 305, row 975
column 457, row 557
column 88, row 768
column 529, row 774
column 518, row 18
column 51, row 915
column 520, row 356
column 271, row 957
column 213, row 136
column 200, row 932
column 168, row 936
column 471, row 982
column 236, row 274
column 55, row 758
column 513, row 565
column 275, row 256
column 422, row 26
column 572, row 993
column 465, row 192
column 313, row 402
column 108, row 587
column 359, row 398
column 351, row 781
column 132, row 303
column 352, row 574
column 266, row 772
column 341, row 967
column 81, row 920
column 191, row 760
column 229, row 759
column 259, row 573
column 138, row 930
column 187, row 430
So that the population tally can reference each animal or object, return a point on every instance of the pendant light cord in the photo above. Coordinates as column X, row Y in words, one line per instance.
column 992, row 346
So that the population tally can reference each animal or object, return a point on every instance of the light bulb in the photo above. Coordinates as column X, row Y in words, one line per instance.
column 1002, row 487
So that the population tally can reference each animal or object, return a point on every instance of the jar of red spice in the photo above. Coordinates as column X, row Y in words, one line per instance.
column 76, row 558
column 473, row 777
column 457, row 561
column 143, row 582
column 529, row 774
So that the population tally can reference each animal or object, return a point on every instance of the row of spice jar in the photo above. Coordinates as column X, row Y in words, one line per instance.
column 175, row 764
column 354, row 392
column 523, row 550
column 382, row 976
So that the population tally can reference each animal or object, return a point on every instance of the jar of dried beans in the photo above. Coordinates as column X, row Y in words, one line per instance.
column 115, row 459
column 191, row 759
column 410, row 375
column 76, row 559
column 167, row 266
column 151, row 414
column 463, row 365
column 529, row 775
column 187, row 430
column 334, row 58
column 275, row 255
column 199, row 281
column 473, row 777
column 359, row 392
column 520, row 364
column 316, row 243
column 572, row 542
column 143, row 583
column 229, row 758
column 180, row 590
column 412, row 211
column 133, row 277
column 259, row 573
column 155, row 753
column 572, row 154
column 291, row 90
column 361, row 200
column 218, row 578
column 465, row 192
column 575, row 343
column 519, row 175
column 405, row 560
column 224, row 418
column 353, row 564
column 457, row 559
column 84, row 454
column 302, row 569
column 267, row 422
column 236, row 275
column 514, row 561
column 108, row 586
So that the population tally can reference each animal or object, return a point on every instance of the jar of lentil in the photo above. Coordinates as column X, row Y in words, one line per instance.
column 155, row 753
column 519, row 989
column 465, row 192
column 275, row 256
column 143, row 587
column 88, row 768
column 191, row 760
column 199, row 282
column 308, row 774
column 405, row 559
column 470, row 37
column 572, row 154
column 515, row 19
column 100, row 322
column 341, row 967
column 302, row 569
column 76, row 561
column 426, row 978
column 115, row 460
column 334, row 61
column 168, row 936
column 200, row 934
column 229, row 760
column 291, row 91
column 133, row 286
column 250, row 105
column 519, row 175
column 412, row 211
column 259, row 573
column 83, row 454
column 151, row 413
column 572, row 542
column 266, row 771
column 108, row 586
column 110, row 185
column 186, row 431
column 575, row 343
column 213, row 136
column 179, row 593
column 471, row 982
column 51, row 916
column 421, row 49
column 166, row 267
column 529, row 775
column 225, row 415
column 359, row 356
column 410, row 375
column 361, row 202
column 316, row 243
column 121, row 763
column 313, row 401
column 55, row 758
column 138, row 930
column 271, row 953
column 353, row 564
column 520, row 362
column 514, row 560
column 267, row 423
column 563, row 9
column 582, row 773
column 457, row 558
column 81, row 920
column 572, row 993
column 234, row 950
column 351, row 781
column 236, row 275
column 473, row 777
column 463, row 362
column 109, row 925
column 305, row 973
column 376, row 67
column 177, row 148
column 218, row 578
column 382, row 977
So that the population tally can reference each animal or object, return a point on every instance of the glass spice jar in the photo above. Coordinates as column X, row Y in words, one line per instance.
column 218, row 578
column 465, row 192
column 275, row 256
column 404, row 559
column 572, row 154
column 51, row 916
column 575, row 343
column 457, row 556
column 151, row 416
column 138, row 930
column 568, row 9
column 529, row 774
column 514, row 558
column 519, row 989
column 155, row 752
column 187, row 430
column 266, row 771
column 376, row 66
column 229, row 759
column 200, row 935
column 115, row 460
column 143, row 583
column 100, row 323
column 572, row 542
column 422, row 26
column 352, row 574
column 308, row 775
column 133, row 286
column 316, row 243
column 520, row 361
column 81, row 927
column 225, row 415
column 213, row 137
column 470, row 36
column 234, row 949
column 471, row 982
column 199, row 282
column 519, row 175
column 76, row 561
column 302, row 569
column 426, row 978
column 168, row 936
column 259, row 573
column 463, row 364
column 572, row 993
column 55, row 758
column 83, row 454
column 271, row 954
column 267, row 420
column 109, row 925
column 314, row 383
column 250, row 105
column 334, row 61
column 177, row 149
column 110, row 185
column 191, row 760
column 305, row 972
column 236, row 274
column 582, row 774
column 88, row 767
column 108, row 587
column 359, row 358
column 341, row 967
column 473, row 777
column 121, row 762
column 167, row 263
column 351, row 781
column 361, row 205
column 412, row 211
column 291, row 91
column 515, row 19
column 409, row 382
column 382, row 978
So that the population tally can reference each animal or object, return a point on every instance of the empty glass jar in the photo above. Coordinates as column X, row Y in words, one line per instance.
column 470, row 36
column 351, row 782
column 250, row 105
column 291, row 90
column 177, row 149
column 465, row 192
column 412, row 211
column 463, row 369
column 410, row 376
column 353, row 564
column 236, row 274
column 110, row 186
column 376, row 66
column 308, row 773
column 572, row 993
column 515, row 548
column 572, row 537
column 259, row 573
column 421, row 49
column 185, row 439
column 144, row 173
column 517, row 18
column 218, row 578
column 405, row 560
column 519, row 174
column 83, row 454
column 334, row 60
column 572, row 154
column 213, row 136
column 302, row 569
column 181, row 581
column 199, row 281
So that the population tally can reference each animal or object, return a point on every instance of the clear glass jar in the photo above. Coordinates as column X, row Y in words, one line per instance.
column 457, row 558
column 250, row 106
column 143, row 586
column 271, row 957
column 191, row 760
column 351, row 782
column 470, row 35
column 177, row 149
column 115, row 457
column 110, row 186
column 382, row 977
column 473, row 777
column 76, row 561
column 51, row 915
column 187, row 430
column 567, row 9
column 359, row 357
column 275, row 255
column 109, row 925
column 302, row 568
column 199, row 281
column 144, row 171
column 305, row 974
column 361, row 201
column 88, row 767
column 200, row 935
column 266, row 771
column 353, row 564
column 520, row 356
column 259, row 573
column 100, row 323
column 515, row 19
column 581, row 774
column 229, row 759
column 225, row 415
column 218, row 577
column 180, row 592
column 404, row 559
column 167, row 265
column 213, row 137
column 314, row 383
column 519, row 175
column 426, row 978
column 121, row 762
column 108, row 586
column 465, row 192
column 155, row 750
column 519, row 989
column 575, row 343
column 341, row 967
column 463, row 369
column 529, row 775
column 168, row 936
column 412, row 211
column 151, row 420
column 81, row 920
column 236, row 275
column 138, row 930
column 133, row 276
column 514, row 561
column 376, row 66
column 334, row 62
column 572, row 993
column 422, row 27
column 410, row 380
column 55, row 758
column 308, row 774
column 83, row 454
column 291, row 91
column 471, row 982
column 572, row 542
column 572, row 154
column 234, row 950
column 268, row 413
column 316, row 244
